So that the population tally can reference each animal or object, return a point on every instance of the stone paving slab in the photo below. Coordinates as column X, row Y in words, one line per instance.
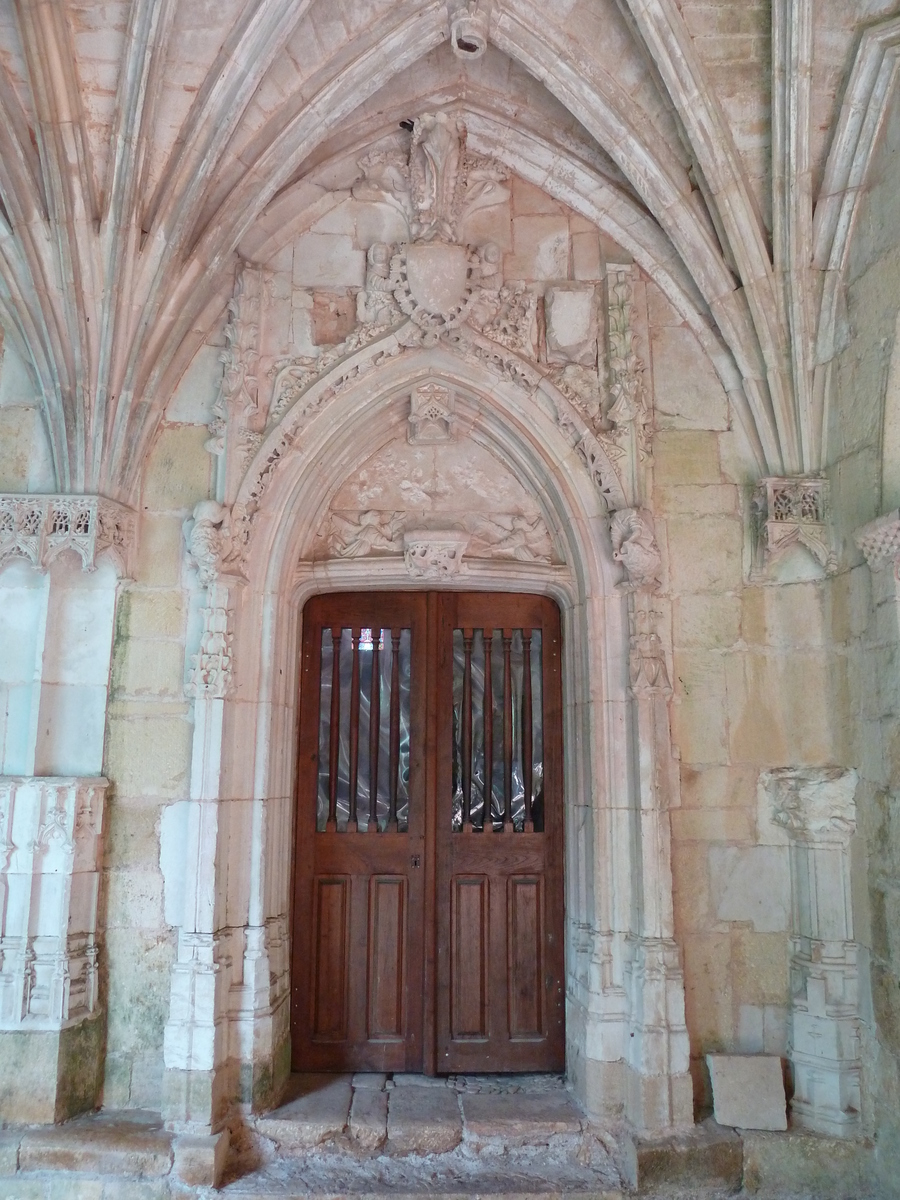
column 521, row 1118
column 134, row 1144
column 368, row 1118
column 318, row 1109
column 423, row 1120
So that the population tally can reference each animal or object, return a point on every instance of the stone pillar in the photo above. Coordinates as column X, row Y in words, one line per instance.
column 61, row 560
column 195, row 1052
column 660, row 1091
column 816, row 807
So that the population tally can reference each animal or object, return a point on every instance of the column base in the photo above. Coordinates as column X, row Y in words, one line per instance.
column 49, row 1075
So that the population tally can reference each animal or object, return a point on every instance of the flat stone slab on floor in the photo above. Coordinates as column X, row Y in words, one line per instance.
column 133, row 1143
column 423, row 1120
column 368, row 1118
column 317, row 1110
column 521, row 1118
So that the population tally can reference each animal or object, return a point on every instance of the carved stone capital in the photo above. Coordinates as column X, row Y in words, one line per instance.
column 789, row 511
column 434, row 555
column 39, row 528
column 634, row 546
column 880, row 542
column 814, row 804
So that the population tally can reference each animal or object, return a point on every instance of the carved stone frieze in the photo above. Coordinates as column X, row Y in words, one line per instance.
column 880, row 542
column 788, row 512
column 39, row 528
column 373, row 534
column 634, row 546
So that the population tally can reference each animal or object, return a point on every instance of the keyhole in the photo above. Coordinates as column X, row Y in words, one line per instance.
column 414, row 860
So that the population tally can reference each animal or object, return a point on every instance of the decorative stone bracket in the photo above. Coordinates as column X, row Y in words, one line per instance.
column 817, row 809
column 39, row 528
column 880, row 542
column 788, row 512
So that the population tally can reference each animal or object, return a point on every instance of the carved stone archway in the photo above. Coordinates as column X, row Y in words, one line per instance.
column 227, row 1036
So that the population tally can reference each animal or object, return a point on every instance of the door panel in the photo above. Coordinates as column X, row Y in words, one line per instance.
column 358, row 970
column 428, row 914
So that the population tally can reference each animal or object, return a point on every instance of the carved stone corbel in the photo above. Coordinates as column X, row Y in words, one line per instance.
column 787, row 512
column 880, row 542
column 40, row 528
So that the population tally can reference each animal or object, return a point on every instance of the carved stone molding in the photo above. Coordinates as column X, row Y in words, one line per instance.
column 880, row 542
column 39, row 528
column 50, row 858
column 634, row 546
column 238, row 397
column 212, row 670
column 629, row 407
column 788, row 512
column 434, row 555
column 816, row 807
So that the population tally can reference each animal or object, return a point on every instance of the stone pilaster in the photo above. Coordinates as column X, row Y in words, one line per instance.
column 659, row 1090
column 51, row 1028
column 816, row 807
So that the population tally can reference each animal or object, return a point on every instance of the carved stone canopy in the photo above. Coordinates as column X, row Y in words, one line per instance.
column 41, row 528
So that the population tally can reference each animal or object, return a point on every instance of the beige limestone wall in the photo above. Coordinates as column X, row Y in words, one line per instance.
column 754, row 684
column 25, row 460
column 149, row 743
column 865, row 457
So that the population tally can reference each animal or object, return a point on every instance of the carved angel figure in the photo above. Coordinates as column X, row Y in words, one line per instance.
column 526, row 540
column 368, row 533
column 208, row 539
column 634, row 546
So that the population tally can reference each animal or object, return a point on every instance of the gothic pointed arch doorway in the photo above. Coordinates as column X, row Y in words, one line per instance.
column 428, row 926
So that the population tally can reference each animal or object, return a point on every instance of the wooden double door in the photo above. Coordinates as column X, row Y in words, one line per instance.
column 428, row 911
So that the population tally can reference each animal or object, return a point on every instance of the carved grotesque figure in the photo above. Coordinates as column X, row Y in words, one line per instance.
column 634, row 546
column 208, row 538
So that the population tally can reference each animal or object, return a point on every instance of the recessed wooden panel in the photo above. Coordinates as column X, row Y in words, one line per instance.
column 468, row 971
column 387, row 959
column 330, row 925
column 525, row 945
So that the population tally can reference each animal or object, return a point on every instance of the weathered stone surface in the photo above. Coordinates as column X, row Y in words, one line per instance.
column 521, row 1119
column 200, row 1161
column 423, row 1120
column 318, row 1109
column 131, row 1143
column 9, row 1151
column 829, row 1168
column 705, row 1156
column 369, row 1079
column 368, row 1118
column 748, row 1090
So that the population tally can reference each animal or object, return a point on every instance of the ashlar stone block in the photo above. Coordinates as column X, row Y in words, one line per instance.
column 748, row 1090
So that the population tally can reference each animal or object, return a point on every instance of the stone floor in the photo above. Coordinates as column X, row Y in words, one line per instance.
column 409, row 1136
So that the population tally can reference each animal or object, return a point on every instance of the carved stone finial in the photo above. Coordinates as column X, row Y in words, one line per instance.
column 210, row 544
column 634, row 546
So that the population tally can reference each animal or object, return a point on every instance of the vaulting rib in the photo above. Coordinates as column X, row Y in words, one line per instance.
column 181, row 291
column 149, row 25
column 607, row 118
column 792, row 204
column 665, row 34
column 68, row 186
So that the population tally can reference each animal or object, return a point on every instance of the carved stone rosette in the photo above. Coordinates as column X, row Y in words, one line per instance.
column 39, row 528
column 50, row 858
column 817, row 809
